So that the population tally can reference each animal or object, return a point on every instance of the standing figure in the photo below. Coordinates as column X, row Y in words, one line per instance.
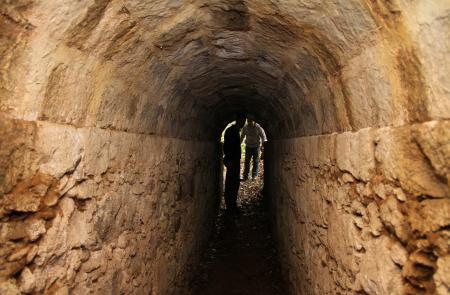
column 255, row 137
column 232, row 161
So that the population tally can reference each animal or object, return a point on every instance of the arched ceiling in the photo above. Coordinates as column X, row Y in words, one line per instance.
column 263, row 57
column 183, row 68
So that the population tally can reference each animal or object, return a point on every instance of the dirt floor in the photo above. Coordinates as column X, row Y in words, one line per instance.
column 241, row 257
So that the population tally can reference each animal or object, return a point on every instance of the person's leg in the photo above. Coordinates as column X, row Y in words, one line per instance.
column 248, row 156
column 235, row 187
column 232, row 182
column 255, row 162
column 228, row 189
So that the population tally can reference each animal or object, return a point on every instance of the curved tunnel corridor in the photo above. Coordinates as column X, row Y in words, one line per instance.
column 110, row 112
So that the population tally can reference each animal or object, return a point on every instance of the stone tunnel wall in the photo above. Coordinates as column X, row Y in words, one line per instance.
column 92, row 198
column 86, row 210
column 368, row 211
column 364, row 212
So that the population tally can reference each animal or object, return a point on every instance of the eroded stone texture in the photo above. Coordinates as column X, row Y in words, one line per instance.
column 106, row 212
column 384, row 233
column 109, row 111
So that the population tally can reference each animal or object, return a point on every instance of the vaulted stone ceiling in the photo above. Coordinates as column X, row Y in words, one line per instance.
column 218, row 57
column 183, row 68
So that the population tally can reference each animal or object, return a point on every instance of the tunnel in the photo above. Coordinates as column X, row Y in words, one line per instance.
column 110, row 118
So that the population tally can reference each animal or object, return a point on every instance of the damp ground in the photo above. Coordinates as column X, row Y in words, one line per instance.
column 241, row 257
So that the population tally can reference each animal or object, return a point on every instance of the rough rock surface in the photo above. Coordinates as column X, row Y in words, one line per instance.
column 384, row 233
column 104, row 210
column 110, row 113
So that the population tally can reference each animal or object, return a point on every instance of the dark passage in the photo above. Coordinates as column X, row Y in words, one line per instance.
column 241, row 257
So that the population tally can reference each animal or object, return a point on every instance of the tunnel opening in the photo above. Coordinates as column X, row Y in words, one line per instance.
column 241, row 256
column 110, row 113
column 262, row 152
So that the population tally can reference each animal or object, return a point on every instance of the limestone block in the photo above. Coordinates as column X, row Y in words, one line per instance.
column 62, row 148
column 374, row 219
column 27, row 281
column 426, row 22
column 12, row 231
column 432, row 138
column 81, row 232
column 400, row 195
column 370, row 89
column 66, row 97
column 122, row 241
column 83, row 191
column 9, row 287
column 93, row 263
column 378, row 273
column 398, row 254
column 64, row 290
column 431, row 215
column 54, row 242
column 401, row 159
column 97, row 158
column 364, row 189
column 347, row 178
column 394, row 220
column 441, row 276
column 340, row 243
column 24, row 202
column 17, row 161
column 358, row 208
column 35, row 229
column 32, row 253
column 355, row 153
column 380, row 190
column 232, row 45
column 18, row 254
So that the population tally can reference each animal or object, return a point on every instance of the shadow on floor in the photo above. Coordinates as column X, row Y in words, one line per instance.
column 241, row 257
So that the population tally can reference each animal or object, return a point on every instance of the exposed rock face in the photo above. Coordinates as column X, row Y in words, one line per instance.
column 376, row 223
column 109, row 113
column 105, row 211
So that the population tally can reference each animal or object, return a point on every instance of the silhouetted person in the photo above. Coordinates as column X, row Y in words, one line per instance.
column 255, row 137
column 232, row 161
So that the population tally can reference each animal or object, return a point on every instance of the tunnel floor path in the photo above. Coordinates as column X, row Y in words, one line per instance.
column 241, row 257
